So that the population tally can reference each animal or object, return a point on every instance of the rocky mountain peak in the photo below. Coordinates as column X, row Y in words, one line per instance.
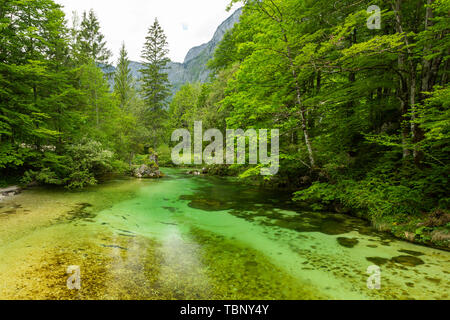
column 194, row 68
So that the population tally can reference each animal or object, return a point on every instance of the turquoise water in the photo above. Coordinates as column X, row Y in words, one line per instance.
column 186, row 237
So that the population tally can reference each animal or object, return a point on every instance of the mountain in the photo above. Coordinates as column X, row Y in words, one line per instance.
column 193, row 69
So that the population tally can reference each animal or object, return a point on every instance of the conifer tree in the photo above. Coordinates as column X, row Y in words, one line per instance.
column 91, row 41
column 123, row 80
column 155, row 83
column 155, row 86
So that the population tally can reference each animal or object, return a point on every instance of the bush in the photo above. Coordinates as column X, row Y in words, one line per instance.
column 79, row 167
column 143, row 159
column 374, row 197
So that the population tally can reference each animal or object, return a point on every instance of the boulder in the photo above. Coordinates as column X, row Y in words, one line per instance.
column 198, row 172
column 146, row 172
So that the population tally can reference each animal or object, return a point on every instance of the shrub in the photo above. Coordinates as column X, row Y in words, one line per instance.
column 79, row 167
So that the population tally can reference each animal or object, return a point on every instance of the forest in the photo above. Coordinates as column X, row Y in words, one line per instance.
column 363, row 112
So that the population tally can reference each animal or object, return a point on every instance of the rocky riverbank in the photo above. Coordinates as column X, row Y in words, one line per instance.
column 428, row 229
column 9, row 192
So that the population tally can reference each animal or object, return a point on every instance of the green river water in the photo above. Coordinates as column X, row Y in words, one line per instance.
column 185, row 237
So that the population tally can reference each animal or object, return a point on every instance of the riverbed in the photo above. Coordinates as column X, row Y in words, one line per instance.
column 199, row 237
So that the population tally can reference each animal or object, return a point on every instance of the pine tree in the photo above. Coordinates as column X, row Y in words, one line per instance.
column 155, row 83
column 123, row 81
column 155, row 86
column 91, row 41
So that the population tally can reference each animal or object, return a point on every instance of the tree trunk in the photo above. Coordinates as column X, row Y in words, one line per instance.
column 402, row 94
column 304, row 122
column 303, row 111
column 444, row 79
column 405, row 134
column 417, row 134
column 96, row 108
column 427, row 64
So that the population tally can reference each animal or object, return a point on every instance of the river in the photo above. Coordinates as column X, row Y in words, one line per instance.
column 186, row 237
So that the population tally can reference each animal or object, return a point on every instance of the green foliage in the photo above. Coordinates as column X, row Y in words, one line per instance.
column 363, row 114
column 143, row 159
column 155, row 89
column 59, row 122
column 123, row 81
column 80, row 165
column 90, row 44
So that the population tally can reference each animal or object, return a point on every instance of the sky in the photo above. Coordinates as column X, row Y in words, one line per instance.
column 187, row 23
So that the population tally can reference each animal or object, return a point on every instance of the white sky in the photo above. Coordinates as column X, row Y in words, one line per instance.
column 187, row 23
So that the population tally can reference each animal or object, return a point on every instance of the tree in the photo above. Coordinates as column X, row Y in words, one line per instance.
column 123, row 80
column 96, row 91
column 91, row 44
column 366, row 107
column 90, row 52
column 33, row 72
column 155, row 82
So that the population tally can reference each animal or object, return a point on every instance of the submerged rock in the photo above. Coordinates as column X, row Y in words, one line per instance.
column 411, row 252
column 82, row 211
column 114, row 247
column 377, row 260
column 334, row 227
column 347, row 242
column 408, row 261
column 209, row 205
column 250, row 264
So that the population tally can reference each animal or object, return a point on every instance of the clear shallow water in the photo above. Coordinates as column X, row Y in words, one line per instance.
column 189, row 237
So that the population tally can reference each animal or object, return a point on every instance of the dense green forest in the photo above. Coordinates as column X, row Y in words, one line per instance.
column 363, row 112
column 60, row 122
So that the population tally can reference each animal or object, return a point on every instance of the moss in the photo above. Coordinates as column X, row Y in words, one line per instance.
column 377, row 260
column 347, row 242
column 409, row 261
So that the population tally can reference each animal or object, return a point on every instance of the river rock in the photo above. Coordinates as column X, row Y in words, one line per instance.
column 209, row 205
column 146, row 172
column 194, row 172
column 441, row 236
column 11, row 191
column 347, row 242
column 411, row 252
column 409, row 261
column 377, row 260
